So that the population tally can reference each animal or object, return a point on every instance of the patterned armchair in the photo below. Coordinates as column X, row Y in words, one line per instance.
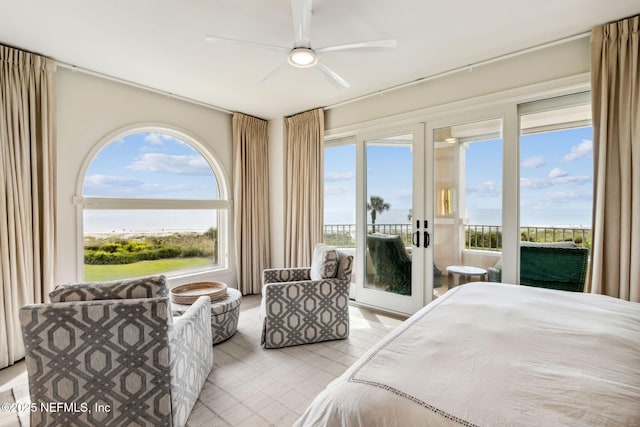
column 113, row 355
column 298, row 310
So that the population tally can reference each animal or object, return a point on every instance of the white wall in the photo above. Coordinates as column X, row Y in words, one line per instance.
column 547, row 64
column 89, row 109
column 544, row 69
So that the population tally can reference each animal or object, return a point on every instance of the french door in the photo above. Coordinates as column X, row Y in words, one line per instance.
column 391, row 232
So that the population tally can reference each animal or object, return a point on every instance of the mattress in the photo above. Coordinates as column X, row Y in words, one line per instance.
column 492, row 354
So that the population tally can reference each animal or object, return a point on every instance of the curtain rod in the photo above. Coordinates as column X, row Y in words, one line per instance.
column 469, row 67
column 141, row 86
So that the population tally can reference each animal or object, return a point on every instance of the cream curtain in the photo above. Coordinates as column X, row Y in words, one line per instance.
column 304, row 210
column 27, row 186
column 251, row 201
column 615, row 81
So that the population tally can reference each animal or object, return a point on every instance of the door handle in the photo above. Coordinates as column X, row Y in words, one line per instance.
column 416, row 239
column 427, row 239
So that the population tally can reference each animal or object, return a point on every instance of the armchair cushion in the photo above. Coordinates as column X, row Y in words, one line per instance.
column 324, row 264
column 143, row 287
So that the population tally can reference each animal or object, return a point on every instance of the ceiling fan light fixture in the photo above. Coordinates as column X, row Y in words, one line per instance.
column 302, row 57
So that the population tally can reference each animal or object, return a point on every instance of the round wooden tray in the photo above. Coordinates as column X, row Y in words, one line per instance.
column 189, row 293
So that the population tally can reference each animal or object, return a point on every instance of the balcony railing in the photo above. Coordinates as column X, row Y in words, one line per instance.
column 477, row 237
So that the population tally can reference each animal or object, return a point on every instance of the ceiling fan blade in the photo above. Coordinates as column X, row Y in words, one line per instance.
column 359, row 45
column 274, row 72
column 224, row 40
column 301, row 11
column 333, row 76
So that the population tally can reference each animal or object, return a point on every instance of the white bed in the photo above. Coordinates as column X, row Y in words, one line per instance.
column 496, row 355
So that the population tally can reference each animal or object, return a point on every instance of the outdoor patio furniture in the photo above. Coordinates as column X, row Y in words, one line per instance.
column 296, row 309
column 561, row 266
column 391, row 261
column 115, row 356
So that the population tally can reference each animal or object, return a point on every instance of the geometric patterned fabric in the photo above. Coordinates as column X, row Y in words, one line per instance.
column 324, row 263
column 297, row 310
column 224, row 315
column 143, row 287
column 115, row 362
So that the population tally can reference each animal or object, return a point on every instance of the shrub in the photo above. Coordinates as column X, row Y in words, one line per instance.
column 168, row 252
column 105, row 258
column 195, row 252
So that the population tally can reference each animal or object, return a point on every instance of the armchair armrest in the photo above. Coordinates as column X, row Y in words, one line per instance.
column 191, row 357
column 275, row 275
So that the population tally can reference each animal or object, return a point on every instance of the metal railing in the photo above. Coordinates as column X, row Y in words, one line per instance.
column 344, row 235
column 477, row 236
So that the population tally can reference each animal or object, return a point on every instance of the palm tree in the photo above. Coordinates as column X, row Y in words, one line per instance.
column 376, row 206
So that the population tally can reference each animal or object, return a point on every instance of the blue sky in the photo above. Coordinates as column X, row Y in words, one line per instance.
column 555, row 180
column 149, row 165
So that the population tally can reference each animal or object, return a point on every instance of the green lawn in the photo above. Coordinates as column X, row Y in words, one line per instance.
column 101, row 273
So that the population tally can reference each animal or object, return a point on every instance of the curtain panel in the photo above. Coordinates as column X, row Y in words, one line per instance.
column 27, row 190
column 615, row 85
column 251, row 200
column 304, row 198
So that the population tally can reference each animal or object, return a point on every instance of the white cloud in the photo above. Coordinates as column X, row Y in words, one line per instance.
column 339, row 176
column 584, row 149
column 402, row 196
column 557, row 173
column 565, row 196
column 534, row 162
column 489, row 188
column 534, row 183
column 158, row 138
column 105, row 181
column 172, row 164
column 336, row 189
column 556, row 177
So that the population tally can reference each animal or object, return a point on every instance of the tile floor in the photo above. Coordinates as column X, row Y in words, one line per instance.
column 252, row 386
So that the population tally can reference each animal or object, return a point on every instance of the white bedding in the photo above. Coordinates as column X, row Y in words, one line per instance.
column 496, row 355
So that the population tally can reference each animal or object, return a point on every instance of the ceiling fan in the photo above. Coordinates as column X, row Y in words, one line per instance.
column 302, row 55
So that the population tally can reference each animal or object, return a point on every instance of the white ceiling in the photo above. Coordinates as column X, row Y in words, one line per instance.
column 161, row 43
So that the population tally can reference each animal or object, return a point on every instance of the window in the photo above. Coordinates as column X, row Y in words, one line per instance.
column 556, row 170
column 340, row 193
column 153, row 204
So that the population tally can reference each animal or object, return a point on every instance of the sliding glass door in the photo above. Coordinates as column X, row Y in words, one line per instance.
column 466, row 202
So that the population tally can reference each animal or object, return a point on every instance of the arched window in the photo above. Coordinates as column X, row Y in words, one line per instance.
column 154, row 202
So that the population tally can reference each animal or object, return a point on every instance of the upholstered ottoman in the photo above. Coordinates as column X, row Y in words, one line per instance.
column 224, row 315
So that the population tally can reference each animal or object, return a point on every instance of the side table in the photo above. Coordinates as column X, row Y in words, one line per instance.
column 224, row 315
column 465, row 271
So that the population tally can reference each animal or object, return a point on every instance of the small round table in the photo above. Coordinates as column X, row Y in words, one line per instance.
column 467, row 272
column 224, row 315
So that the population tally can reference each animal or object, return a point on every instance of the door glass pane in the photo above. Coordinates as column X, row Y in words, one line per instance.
column 556, row 193
column 468, row 202
column 340, row 197
column 389, row 199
